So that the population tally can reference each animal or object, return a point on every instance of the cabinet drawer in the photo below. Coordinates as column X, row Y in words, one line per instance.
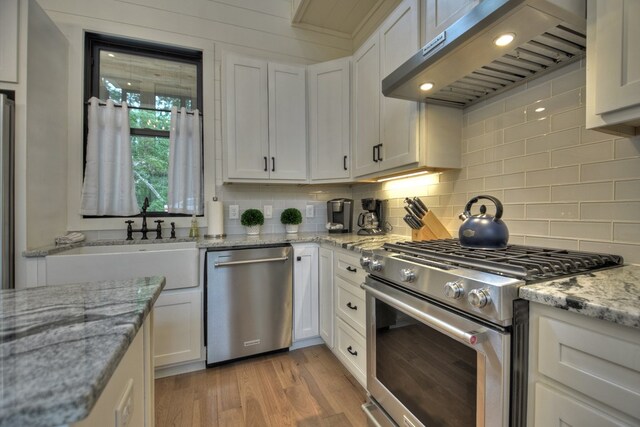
column 350, row 304
column 348, row 267
column 602, row 366
column 351, row 348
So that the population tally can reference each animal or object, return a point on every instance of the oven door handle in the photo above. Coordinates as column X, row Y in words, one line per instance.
column 470, row 338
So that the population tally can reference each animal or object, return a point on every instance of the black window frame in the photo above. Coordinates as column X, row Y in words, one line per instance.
column 94, row 43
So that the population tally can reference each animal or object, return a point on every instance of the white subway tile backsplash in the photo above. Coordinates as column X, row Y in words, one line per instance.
column 526, row 130
column 554, row 140
column 568, row 119
column 582, row 154
column 553, row 211
column 546, row 107
column 549, row 242
column 484, row 112
column 528, row 227
column 627, row 190
column 468, row 185
column 615, row 169
column 513, row 180
column 526, row 195
column 473, row 130
column 485, row 169
column 626, row 232
column 610, row 211
column 568, row 81
column 627, row 147
column 508, row 119
column 582, row 192
column 527, row 163
column 513, row 211
column 504, row 151
column 629, row 252
column 487, row 140
column 565, row 175
column 473, row 158
column 581, row 229
column 528, row 96
column 588, row 136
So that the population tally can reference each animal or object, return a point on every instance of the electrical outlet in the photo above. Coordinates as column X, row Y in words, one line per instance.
column 309, row 211
column 234, row 211
column 124, row 410
column 268, row 211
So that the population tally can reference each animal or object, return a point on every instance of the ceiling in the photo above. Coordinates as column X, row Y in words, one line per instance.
column 339, row 17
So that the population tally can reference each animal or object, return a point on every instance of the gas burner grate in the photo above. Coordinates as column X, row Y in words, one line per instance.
column 522, row 262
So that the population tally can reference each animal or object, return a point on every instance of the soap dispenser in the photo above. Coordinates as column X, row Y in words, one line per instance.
column 194, row 231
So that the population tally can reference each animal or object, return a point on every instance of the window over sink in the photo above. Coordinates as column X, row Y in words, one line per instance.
column 151, row 79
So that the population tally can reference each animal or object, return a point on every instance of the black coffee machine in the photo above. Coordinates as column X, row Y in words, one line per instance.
column 371, row 222
column 340, row 216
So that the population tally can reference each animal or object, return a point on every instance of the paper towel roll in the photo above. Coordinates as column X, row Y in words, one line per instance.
column 215, row 219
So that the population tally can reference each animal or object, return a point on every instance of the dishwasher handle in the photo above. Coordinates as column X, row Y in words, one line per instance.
column 250, row 261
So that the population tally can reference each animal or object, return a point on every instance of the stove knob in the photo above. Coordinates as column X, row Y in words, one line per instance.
column 375, row 265
column 407, row 275
column 365, row 262
column 453, row 290
column 479, row 298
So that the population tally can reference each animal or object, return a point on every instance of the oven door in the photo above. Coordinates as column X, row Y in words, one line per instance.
column 428, row 366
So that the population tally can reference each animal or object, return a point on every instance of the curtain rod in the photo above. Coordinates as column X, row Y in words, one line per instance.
column 141, row 108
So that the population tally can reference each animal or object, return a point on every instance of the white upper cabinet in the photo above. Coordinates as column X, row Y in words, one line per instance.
column 385, row 129
column 9, row 41
column 613, row 66
column 329, row 120
column 264, row 118
column 440, row 14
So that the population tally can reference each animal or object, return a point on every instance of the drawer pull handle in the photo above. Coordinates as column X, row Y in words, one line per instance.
column 352, row 307
column 352, row 351
column 351, row 269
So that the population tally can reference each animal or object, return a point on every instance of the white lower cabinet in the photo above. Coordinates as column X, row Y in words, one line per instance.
column 305, row 292
column 325, row 276
column 582, row 371
column 351, row 350
column 178, row 327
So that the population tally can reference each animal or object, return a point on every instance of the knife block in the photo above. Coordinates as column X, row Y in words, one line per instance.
column 432, row 229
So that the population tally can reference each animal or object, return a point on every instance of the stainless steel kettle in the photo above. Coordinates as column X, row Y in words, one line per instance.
column 483, row 231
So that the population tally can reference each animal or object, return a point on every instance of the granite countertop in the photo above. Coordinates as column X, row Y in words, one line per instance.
column 349, row 241
column 59, row 346
column 612, row 294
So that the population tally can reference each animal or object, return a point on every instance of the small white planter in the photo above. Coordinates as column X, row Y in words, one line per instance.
column 291, row 228
column 253, row 230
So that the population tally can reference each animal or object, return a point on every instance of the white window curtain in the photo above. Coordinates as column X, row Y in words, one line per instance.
column 108, row 187
column 185, row 163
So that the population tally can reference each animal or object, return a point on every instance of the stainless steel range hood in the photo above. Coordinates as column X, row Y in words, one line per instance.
column 465, row 66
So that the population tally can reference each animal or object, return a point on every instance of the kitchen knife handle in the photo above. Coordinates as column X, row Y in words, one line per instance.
column 420, row 203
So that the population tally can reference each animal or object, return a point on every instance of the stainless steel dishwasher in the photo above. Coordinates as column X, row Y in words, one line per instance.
column 249, row 297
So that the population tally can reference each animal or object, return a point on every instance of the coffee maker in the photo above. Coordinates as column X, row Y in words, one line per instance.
column 371, row 222
column 340, row 215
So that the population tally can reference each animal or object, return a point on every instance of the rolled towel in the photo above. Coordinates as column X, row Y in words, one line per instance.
column 69, row 238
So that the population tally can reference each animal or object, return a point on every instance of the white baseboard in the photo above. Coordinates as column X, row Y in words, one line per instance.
column 306, row 343
column 167, row 371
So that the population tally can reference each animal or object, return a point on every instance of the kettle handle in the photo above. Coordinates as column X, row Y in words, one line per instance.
column 467, row 208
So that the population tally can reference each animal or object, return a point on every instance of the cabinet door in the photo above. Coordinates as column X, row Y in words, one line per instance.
column 329, row 119
column 305, row 292
column 287, row 122
column 177, row 329
column 246, row 130
column 325, row 272
column 399, row 40
column 618, row 64
column 439, row 14
column 366, row 105
column 9, row 41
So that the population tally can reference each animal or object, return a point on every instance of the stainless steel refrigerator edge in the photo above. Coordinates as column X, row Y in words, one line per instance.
column 6, row 183
column 249, row 302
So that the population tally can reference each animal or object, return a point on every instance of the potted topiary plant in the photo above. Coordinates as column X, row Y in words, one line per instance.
column 291, row 218
column 252, row 219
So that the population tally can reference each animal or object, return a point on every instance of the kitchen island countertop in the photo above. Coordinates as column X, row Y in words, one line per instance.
column 59, row 346
column 612, row 294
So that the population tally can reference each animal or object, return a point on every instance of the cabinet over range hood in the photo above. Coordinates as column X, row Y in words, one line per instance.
column 470, row 62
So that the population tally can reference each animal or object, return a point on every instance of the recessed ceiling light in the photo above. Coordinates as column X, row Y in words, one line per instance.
column 504, row 39
column 111, row 55
column 539, row 109
column 426, row 86
column 128, row 83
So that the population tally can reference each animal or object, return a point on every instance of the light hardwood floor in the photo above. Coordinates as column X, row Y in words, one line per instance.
column 306, row 387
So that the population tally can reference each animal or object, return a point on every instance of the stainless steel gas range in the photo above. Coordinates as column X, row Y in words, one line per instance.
column 447, row 334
